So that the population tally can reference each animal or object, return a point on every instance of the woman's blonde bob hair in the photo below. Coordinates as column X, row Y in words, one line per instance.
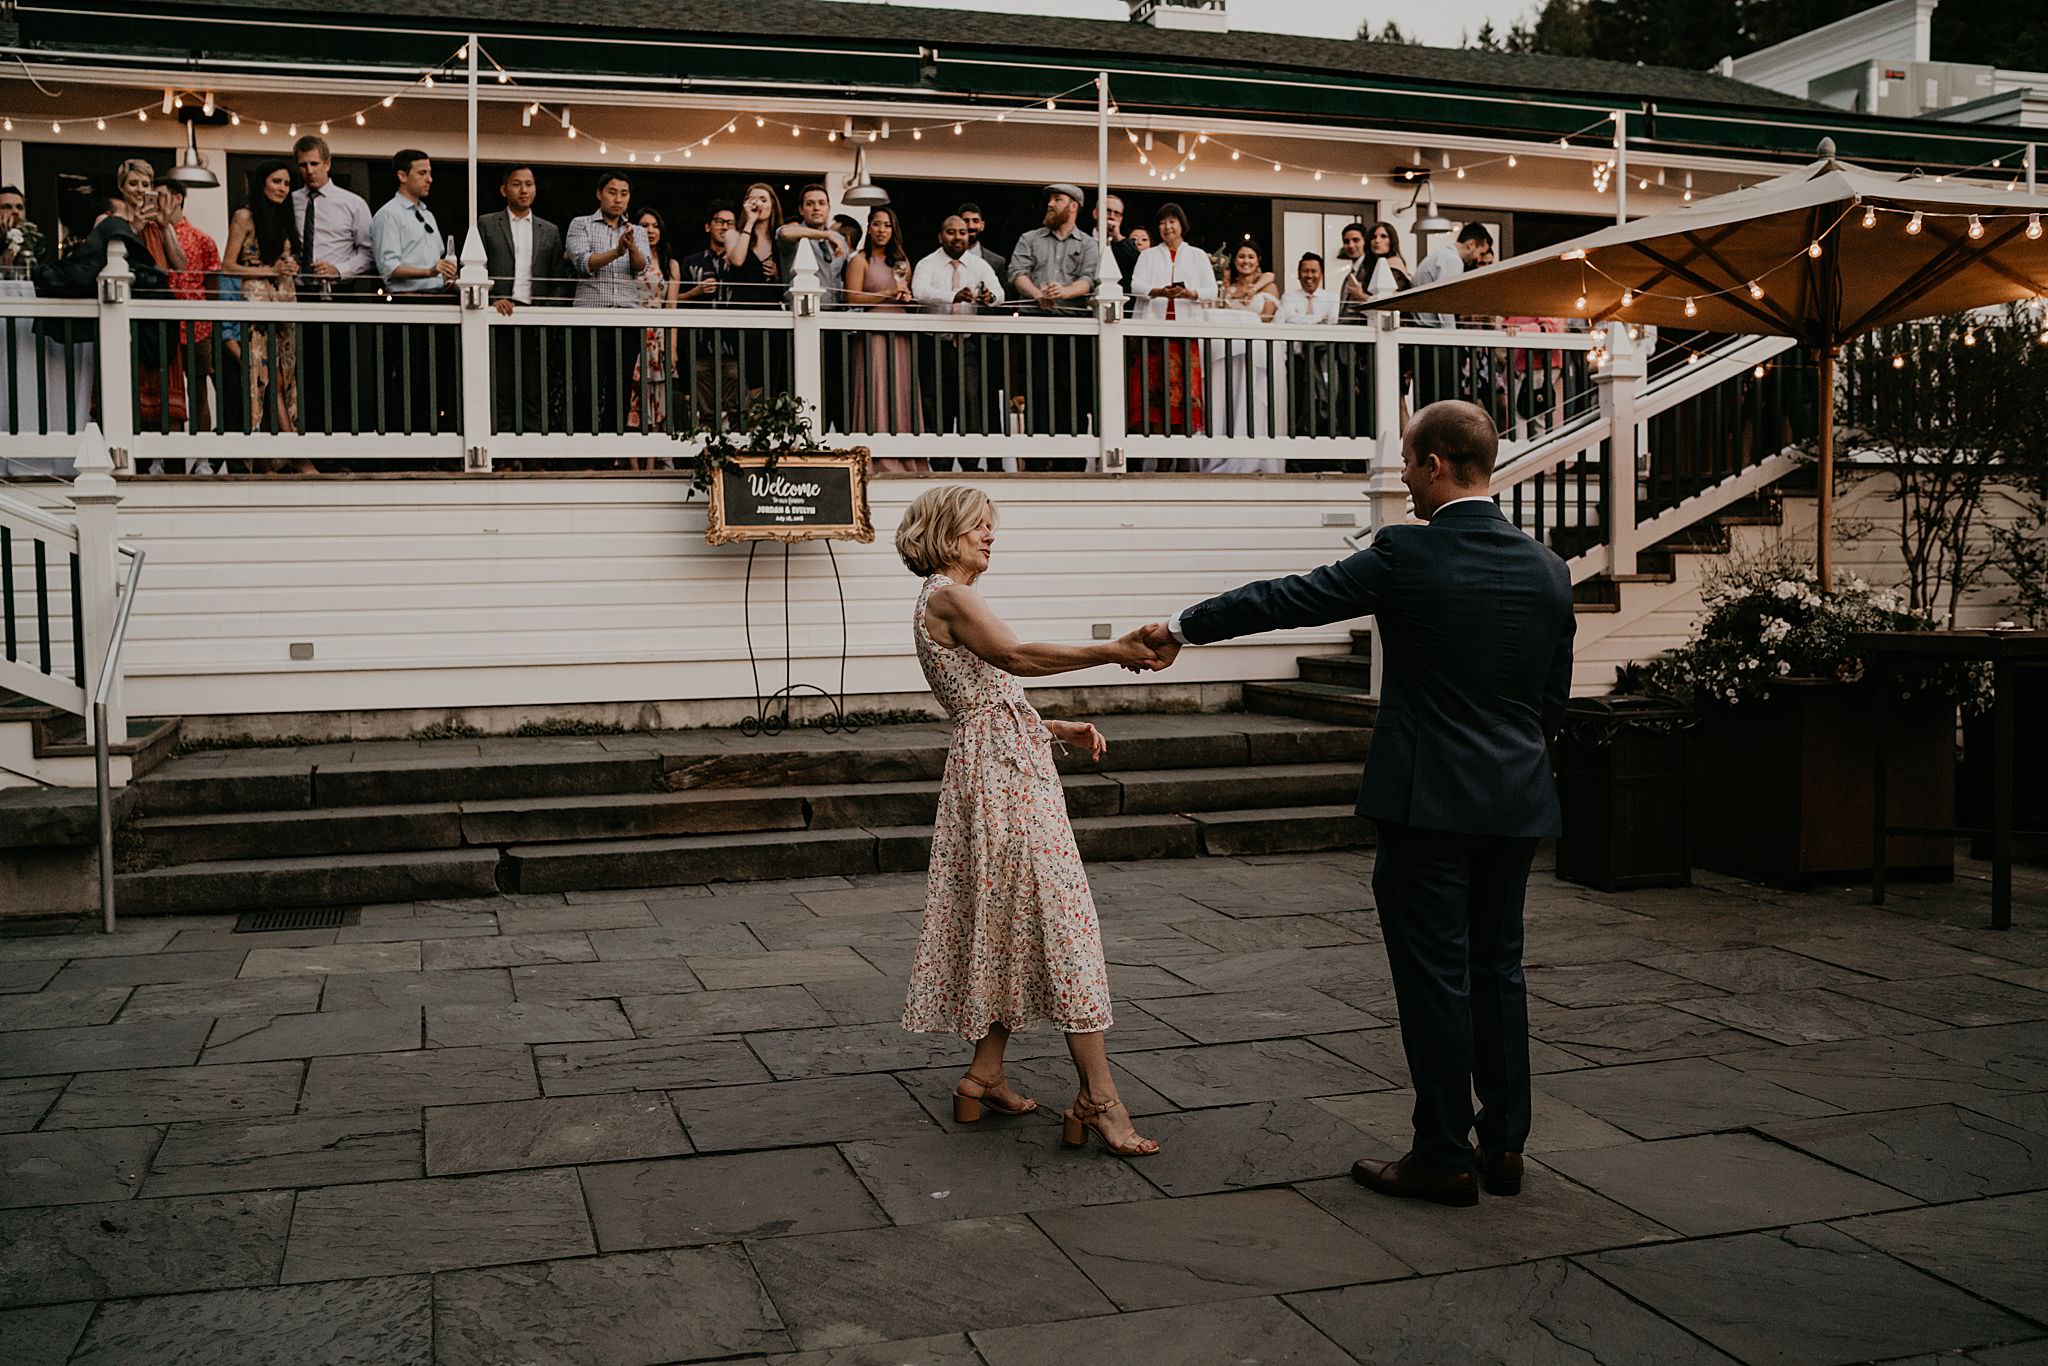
column 934, row 523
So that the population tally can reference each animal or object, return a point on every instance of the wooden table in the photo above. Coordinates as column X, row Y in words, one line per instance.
column 2006, row 651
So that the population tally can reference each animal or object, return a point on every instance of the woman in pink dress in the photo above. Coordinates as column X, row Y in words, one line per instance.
column 1010, row 935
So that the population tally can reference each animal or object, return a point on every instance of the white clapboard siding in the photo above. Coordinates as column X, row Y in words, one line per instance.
column 422, row 593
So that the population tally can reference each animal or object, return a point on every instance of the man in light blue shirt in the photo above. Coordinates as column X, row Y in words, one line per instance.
column 406, row 244
column 405, row 241
column 607, row 252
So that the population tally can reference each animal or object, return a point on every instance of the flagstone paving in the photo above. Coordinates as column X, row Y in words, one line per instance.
column 681, row 1124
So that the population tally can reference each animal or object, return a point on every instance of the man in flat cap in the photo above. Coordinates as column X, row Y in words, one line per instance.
column 1056, row 265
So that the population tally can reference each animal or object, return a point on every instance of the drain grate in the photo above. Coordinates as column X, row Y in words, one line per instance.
column 299, row 918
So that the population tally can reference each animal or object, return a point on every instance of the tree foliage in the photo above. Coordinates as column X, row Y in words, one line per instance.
column 1698, row 33
column 1950, row 409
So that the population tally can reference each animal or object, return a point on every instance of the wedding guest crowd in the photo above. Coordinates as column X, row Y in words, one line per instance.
column 299, row 235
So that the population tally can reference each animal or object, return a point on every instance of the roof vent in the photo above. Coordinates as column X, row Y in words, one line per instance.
column 1200, row 16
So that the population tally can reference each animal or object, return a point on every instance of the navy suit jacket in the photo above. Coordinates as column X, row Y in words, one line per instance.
column 1475, row 620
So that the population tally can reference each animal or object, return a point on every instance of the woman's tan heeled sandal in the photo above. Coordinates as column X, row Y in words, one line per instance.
column 1084, row 1119
column 967, row 1103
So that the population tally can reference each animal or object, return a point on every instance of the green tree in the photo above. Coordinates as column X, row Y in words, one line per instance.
column 1390, row 32
column 1948, row 409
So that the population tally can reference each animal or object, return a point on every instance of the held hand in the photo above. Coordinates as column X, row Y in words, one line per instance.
column 1158, row 642
column 1081, row 735
column 326, row 268
column 446, row 269
column 505, row 307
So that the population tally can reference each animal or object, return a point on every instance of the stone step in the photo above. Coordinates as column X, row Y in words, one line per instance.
column 1343, row 671
column 316, row 880
column 1304, row 700
column 739, row 856
column 1282, row 830
column 161, row 841
column 400, row 773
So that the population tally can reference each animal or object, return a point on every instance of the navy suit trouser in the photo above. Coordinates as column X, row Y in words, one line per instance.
column 1450, row 910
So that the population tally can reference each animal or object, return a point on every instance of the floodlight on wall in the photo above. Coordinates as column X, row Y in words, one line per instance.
column 861, row 192
column 190, row 168
column 1431, row 221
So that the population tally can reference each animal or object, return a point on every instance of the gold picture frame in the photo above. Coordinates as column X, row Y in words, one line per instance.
column 786, row 508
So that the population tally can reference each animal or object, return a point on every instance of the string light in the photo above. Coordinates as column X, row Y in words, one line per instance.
column 1628, row 298
column 360, row 120
column 1898, row 362
column 1869, row 217
column 1969, row 336
column 2033, row 227
column 1692, row 310
column 1757, row 373
column 1756, row 291
column 390, row 100
column 1976, row 227
column 1913, row 224
column 1813, row 250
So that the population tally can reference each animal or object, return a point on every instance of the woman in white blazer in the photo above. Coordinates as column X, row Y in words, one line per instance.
column 1169, row 283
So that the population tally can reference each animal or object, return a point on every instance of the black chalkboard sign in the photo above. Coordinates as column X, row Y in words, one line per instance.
column 820, row 496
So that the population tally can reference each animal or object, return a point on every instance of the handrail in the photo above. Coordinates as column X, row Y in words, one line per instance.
column 36, row 517
column 102, row 762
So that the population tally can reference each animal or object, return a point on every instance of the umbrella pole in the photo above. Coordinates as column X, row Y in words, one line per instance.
column 1824, row 555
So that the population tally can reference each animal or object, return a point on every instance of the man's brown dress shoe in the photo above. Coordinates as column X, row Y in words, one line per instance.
column 1500, row 1173
column 1401, row 1178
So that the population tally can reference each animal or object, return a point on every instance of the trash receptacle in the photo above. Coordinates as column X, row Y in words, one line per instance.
column 1621, row 780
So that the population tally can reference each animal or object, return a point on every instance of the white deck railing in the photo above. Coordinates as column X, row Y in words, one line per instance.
column 453, row 385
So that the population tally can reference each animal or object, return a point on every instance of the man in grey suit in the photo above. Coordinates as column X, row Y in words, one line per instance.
column 1476, row 622
column 523, row 253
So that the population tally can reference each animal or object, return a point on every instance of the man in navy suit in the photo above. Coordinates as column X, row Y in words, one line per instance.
column 1476, row 623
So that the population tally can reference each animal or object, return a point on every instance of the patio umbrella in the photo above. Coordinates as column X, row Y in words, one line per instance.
column 1823, row 254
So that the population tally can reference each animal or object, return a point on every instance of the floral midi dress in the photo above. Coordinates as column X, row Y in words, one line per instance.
column 1010, row 934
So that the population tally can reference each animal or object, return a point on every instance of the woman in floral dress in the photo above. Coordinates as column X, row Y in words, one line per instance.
column 1010, row 936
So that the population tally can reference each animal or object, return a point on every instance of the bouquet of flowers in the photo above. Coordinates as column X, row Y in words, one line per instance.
column 22, row 248
column 1771, row 622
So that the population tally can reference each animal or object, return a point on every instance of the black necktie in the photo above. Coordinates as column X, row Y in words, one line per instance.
column 306, row 234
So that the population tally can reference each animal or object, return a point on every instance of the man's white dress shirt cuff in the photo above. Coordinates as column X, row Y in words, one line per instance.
column 1173, row 629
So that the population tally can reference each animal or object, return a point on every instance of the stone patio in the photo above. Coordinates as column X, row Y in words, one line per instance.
column 682, row 1125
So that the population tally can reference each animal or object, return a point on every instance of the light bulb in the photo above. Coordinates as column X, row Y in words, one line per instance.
column 917, row 135
column 1687, row 196
column 7, row 126
column 831, row 135
column 657, row 158
column 1565, row 143
column 234, row 121
column 1233, row 154
column 1756, row 291
column 795, row 131
column 2034, row 227
column 207, row 107
column 760, row 122
column 390, row 100
column 141, row 116
column 428, row 80
column 293, row 132
column 688, row 154
column 1643, row 184
column 56, row 127
column 1628, row 298
column 1813, row 250
column 1976, row 227
column 264, row 128
column 1870, row 218
column 1969, row 336
column 1692, row 358
column 360, row 120
column 462, row 53
column 1002, row 118
column 632, row 156
column 1319, row 174
column 1276, row 165
column 872, row 135
column 1580, row 304
column 533, row 108
column 1757, row 373
column 1692, row 310
column 101, row 124
column 323, row 126
column 1512, row 163
column 504, row 77
column 572, row 132
column 1461, row 173
column 957, row 130
column 602, row 149
column 1913, row 224
column 1365, row 180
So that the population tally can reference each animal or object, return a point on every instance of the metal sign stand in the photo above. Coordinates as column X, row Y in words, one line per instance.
column 771, row 711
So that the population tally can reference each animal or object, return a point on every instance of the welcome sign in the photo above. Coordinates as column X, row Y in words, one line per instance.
column 821, row 496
